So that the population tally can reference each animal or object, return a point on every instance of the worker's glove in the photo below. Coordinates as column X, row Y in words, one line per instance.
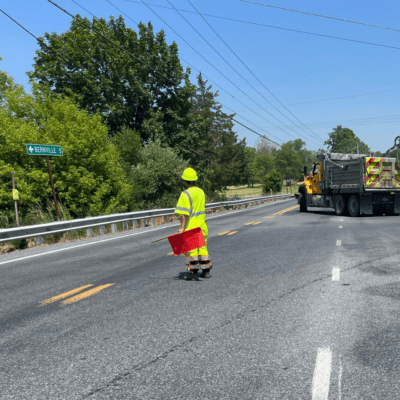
column 180, row 230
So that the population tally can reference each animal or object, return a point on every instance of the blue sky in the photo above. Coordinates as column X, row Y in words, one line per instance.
column 323, row 82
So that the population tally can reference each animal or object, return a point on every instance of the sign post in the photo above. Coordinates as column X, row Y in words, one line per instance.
column 15, row 197
column 46, row 150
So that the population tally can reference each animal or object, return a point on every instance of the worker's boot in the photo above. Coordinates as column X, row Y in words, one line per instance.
column 205, row 266
column 193, row 268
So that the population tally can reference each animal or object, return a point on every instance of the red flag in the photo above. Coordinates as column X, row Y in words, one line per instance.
column 186, row 241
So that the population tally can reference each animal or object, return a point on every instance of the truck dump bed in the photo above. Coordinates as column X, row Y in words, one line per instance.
column 382, row 172
column 351, row 171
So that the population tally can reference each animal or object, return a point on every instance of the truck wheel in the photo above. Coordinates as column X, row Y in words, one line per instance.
column 303, row 202
column 390, row 211
column 354, row 206
column 340, row 205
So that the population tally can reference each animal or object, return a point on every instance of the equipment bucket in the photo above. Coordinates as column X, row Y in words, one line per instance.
column 186, row 241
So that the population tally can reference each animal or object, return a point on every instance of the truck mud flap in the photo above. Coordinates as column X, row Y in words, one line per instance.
column 397, row 203
column 366, row 205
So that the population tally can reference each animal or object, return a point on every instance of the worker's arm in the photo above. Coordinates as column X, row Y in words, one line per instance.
column 183, row 223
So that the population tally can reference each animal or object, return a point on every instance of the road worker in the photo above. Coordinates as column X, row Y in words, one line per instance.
column 191, row 207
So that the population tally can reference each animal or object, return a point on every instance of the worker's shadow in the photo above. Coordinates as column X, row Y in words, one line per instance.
column 185, row 275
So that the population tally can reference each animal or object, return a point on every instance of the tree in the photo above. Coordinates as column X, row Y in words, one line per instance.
column 343, row 140
column 291, row 158
column 87, row 178
column 216, row 150
column 128, row 144
column 140, row 92
column 262, row 165
column 157, row 178
column 272, row 181
column 264, row 145
column 249, row 173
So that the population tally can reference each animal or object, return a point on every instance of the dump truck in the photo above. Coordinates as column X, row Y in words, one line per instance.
column 353, row 184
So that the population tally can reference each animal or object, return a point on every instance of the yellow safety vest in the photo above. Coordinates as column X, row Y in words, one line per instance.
column 192, row 203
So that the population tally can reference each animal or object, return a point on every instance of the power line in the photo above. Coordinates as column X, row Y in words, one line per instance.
column 43, row 43
column 98, row 33
column 319, row 100
column 40, row 41
column 281, row 28
column 236, row 72
column 216, row 69
column 322, row 16
column 226, row 44
column 208, row 79
column 256, row 132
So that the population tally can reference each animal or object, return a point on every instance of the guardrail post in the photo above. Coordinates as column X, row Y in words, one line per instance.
column 168, row 218
column 39, row 240
column 125, row 226
column 144, row 224
column 153, row 222
column 102, row 230
column 89, row 232
column 113, row 228
column 134, row 223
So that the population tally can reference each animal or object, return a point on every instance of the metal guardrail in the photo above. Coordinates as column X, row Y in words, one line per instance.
column 25, row 232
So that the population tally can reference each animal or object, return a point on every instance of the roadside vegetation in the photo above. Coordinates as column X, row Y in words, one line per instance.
column 128, row 135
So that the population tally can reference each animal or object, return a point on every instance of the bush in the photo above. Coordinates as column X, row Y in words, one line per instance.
column 157, row 178
column 273, row 181
column 87, row 177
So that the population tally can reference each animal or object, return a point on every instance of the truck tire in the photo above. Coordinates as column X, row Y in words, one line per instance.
column 303, row 200
column 354, row 206
column 340, row 205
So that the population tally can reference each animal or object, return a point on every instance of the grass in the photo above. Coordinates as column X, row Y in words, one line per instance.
column 233, row 191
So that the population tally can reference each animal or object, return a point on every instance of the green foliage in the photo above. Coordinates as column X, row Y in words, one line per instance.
column 140, row 93
column 291, row 158
column 128, row 144
column 262, row 164
column 273, row 181
column 344, row 140
column 249, row 173
column 157, row 178
column 88, row 178
column 215, row 151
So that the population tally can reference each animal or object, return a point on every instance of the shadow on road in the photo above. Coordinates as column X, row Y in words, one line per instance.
column 183, row 275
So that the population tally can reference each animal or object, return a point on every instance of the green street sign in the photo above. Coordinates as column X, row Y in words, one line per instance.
column 43, row 150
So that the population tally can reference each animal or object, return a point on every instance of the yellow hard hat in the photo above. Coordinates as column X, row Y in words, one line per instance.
column 189, row 174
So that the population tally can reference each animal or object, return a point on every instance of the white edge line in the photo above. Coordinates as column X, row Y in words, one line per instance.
column 131, row 234
column 340, row 380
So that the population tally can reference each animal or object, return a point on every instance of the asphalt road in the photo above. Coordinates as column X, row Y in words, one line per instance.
column 299, row 306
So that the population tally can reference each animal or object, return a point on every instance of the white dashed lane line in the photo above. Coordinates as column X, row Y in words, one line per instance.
column 339, row 242
column 335, row 274
column 340, row 227
column 322, row 375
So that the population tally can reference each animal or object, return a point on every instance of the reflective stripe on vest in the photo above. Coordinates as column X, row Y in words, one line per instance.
column 183, row 209
column 191, row 203
column 198, row 214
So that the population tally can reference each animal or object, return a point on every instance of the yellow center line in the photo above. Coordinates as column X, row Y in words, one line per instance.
column 63, row 295
column 85, row 294
column 171, row 254
column 256, row 223
column 223, row 233
column 232, row 233
column 250, row 223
